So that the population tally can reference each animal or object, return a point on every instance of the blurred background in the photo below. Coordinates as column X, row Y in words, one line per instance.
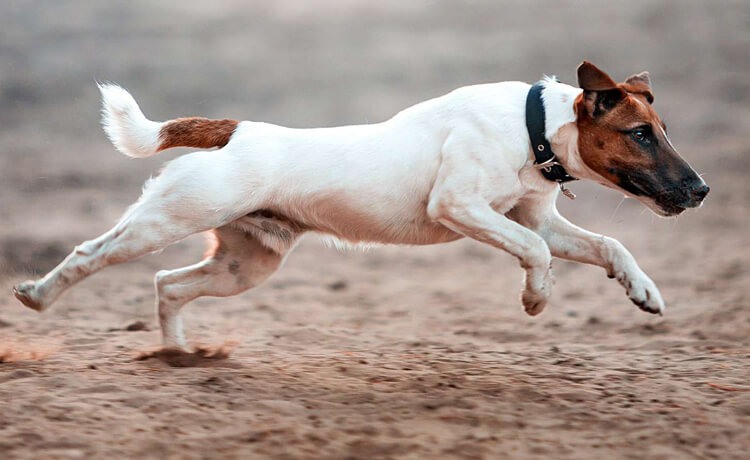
column 327, row 63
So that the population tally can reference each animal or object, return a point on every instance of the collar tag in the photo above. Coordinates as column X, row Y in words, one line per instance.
column 566, row 191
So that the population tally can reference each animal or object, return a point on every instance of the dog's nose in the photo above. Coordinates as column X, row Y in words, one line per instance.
column 695, row 193
column 700, row 191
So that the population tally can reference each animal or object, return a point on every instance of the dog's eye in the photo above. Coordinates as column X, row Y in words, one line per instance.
column 641, row 135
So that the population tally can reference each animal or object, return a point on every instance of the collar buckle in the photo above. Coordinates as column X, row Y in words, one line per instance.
column 547, row 164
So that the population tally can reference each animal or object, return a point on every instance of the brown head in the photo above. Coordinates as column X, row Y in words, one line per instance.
column 622, row 140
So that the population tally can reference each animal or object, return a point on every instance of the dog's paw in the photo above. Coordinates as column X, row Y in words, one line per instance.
column 644, row 293
column 26, row 293
column 533, row 302
column 534, row 297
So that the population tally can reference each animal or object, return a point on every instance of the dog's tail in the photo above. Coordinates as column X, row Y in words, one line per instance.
column 136, row 136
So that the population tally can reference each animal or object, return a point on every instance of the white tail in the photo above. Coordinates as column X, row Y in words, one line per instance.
column 127, row 128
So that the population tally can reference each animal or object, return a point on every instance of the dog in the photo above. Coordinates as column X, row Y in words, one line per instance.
column 457, row 166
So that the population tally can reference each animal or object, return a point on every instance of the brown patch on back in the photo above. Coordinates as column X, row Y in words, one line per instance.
column 196, row 132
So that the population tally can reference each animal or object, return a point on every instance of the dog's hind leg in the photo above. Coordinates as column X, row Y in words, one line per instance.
column 236, row 263
column 131, row 238
column 174, row 205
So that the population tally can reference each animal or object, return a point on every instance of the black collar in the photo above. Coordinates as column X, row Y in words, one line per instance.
column 545, row 159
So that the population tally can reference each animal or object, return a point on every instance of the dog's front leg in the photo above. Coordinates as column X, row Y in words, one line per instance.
column 477, row 220
column 568, row 241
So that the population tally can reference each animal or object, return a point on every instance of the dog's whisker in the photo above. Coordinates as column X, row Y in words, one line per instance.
column 617, row 208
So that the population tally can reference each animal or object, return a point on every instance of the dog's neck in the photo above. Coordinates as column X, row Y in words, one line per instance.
column 561, row 130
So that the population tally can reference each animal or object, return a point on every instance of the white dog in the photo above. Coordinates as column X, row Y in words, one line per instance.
column 461, row 165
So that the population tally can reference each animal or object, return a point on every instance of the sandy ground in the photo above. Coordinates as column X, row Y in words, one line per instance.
column 396, row 352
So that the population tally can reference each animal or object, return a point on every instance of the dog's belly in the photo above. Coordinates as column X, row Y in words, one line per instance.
column 411, row 232
column 381, row 220
column 352, row 226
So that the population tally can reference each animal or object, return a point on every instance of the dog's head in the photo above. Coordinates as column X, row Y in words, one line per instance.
column 623, row 141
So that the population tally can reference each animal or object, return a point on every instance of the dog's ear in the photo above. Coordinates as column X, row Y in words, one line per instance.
column 600, row 92
column 641, row 84
column 592, row 78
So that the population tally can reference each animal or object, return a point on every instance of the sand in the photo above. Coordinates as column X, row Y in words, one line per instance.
column 395, row 352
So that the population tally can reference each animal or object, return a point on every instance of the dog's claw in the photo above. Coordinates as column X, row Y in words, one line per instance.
column 642, row 305
column 642, row 292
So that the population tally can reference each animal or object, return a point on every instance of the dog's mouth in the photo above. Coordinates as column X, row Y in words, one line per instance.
column 656, row 204
column 669, row 202
column 672, row 202
column 667, row 210
column 660, row 206
column 662, row 201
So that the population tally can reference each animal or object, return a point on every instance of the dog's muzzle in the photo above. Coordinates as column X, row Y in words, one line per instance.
column 675, row 200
